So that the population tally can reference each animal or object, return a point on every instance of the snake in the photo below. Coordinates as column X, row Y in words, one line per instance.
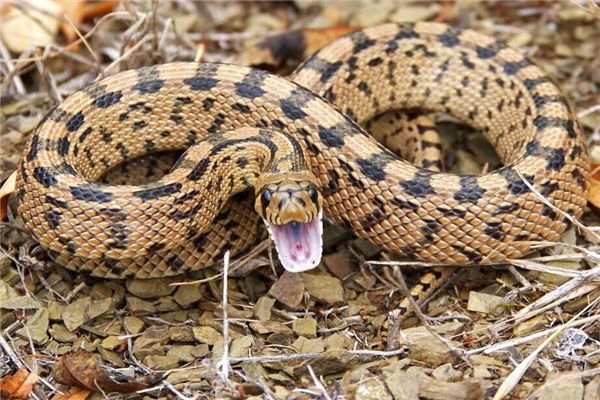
column 284, row 151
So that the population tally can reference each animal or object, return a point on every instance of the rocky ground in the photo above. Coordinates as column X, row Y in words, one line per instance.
column 526, row 330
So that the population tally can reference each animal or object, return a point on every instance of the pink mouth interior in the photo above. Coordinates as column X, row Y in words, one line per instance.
column 299, row 245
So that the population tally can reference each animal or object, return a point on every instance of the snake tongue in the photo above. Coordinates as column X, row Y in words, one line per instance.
column 299, row 245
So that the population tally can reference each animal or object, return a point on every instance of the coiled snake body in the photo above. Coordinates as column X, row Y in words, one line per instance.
column 243, row 116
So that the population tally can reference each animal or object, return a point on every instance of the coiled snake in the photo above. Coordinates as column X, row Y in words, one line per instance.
column 298, row 143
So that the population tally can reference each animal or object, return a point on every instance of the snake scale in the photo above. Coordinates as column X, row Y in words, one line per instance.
column 244, row 126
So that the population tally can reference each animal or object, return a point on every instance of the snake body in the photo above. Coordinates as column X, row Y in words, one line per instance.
column 154, row 230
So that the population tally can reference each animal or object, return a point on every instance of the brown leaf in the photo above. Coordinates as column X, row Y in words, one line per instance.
column 73, row 394
column 594, row 194
column 83, row 369
column 18, row 385
column 295, row 44
column 80, row 10
column 7, row 188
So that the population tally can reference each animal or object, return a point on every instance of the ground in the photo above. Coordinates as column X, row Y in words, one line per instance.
column 529, row 329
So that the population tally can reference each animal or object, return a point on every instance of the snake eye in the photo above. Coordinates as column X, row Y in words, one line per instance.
column 265, row 197
column 314, row 195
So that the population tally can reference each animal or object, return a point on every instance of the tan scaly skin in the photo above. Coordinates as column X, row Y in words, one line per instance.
column 179, row 224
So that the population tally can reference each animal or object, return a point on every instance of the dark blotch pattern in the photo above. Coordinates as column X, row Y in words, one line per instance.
column 53, row 218
column 34, row 148
column 75, row 122
column 516, row 185
column 45, row 176
column 56, row 203
column 88, row 193
column 332, row 137
column 361, row 41
column 373, row 167
column 325, row 68
column 511, row 68
column 199, row 170
column 420, row 185
column 250, row 86
column 147, row 87
column 449, row 39
column 108, row 99
column 159, row 191
column 469, row 191
column 201, row 82
column 542, row 123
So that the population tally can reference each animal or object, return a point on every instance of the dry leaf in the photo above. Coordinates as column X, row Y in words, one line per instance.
column 295, row 44
column 594, row 195
column 73, row 394
column 7, row 188
column 78, row 11
column 18, row 385
column 83, row 369
column 38, row 26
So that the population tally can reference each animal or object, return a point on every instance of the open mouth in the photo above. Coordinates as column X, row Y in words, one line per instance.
column 299, row 245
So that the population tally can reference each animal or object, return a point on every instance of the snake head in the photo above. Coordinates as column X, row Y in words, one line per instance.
column 291, row 207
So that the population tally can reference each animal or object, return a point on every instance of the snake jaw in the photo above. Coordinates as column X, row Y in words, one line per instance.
column 299, row 245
